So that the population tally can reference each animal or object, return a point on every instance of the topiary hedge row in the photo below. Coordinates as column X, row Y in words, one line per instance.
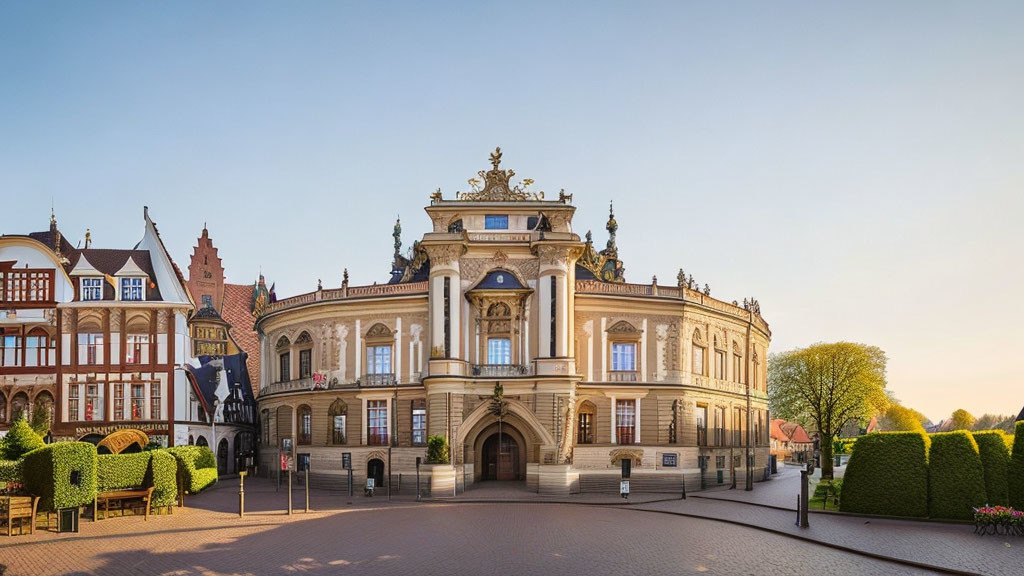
column 10, row 471
column 995, row 459
column 887, row 475
column 63, row 474
column 1015, row 472
column 197, row 467
column 956, row 481
column 156, row 468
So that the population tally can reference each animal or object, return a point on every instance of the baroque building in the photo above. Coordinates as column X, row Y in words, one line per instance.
column 502, row 290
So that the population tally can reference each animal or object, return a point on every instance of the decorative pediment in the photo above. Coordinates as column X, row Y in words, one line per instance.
column 84, row 268
column 494, row 186
column 304, row 338
column 635, row 455
column 622, row 327
column 736, row 348
column 131, row 269
column 379, row 330
column 283, row 342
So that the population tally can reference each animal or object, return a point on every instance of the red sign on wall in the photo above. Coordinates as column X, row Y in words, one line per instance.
column 284, row 462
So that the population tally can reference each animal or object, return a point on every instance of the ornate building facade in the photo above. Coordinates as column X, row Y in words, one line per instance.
column 594, row 370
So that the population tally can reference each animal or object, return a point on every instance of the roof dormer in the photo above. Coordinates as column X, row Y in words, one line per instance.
column 84, row 268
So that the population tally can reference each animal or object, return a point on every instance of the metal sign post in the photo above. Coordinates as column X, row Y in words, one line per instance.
column 289, row 464
column 804, row 474
column 241, row 494
column 346, row 463
column 627, row 466
column 419, row 460
column 304, row 466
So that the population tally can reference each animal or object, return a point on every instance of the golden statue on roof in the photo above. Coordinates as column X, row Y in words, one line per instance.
column 494, row 185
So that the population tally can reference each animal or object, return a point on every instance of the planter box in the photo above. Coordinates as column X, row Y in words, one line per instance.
column 442, row 480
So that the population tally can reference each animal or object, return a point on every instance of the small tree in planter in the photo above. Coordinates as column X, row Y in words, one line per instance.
column 437, row 450
column 19, row 440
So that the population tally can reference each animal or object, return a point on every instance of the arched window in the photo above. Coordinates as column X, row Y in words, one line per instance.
column 499, row 334
column 586, row 422
column 38, row 348
column 698, row 351
column 305, row 425
column 136, row 340
column 44, row 402
column 304, row 344
column 201, row 441
column 337, row 415
column 737, row 362
column 191, row 440
column 265, row 425
column 284, row 359
column 455, row 227
column 19, row 403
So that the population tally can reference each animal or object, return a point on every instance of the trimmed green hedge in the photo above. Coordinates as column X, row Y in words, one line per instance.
column 995, row 459
column 163, row 476
column 156, row 468
column 1015, row 472
column 956, row 481
column 47, row 472
column 887, row 475
column 10, row 471
column 197, row 466
column 121, row 471
column 20, row 440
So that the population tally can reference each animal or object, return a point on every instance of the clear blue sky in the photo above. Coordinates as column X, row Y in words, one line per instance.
column 857, row 167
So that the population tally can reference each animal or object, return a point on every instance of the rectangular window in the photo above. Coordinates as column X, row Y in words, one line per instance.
column 623, row 357
column 136, row 349
column 496, row 222
column 377, row 422
column 702, row 425
column 305, row 363
column 90, row 349
column 92, row 289
column 625, row 421
column 737, row 368
column 554, row 315
column 138, row 402
column 154, row 400
column 207, row 301
column 585, row 428
column 11, row 351
column 338, row 429
column 447, row 317
column 720, row 364
column 378, row 359
column 305, row 426
column 499, row 351
column 698, row 360
column 73, row 400
column 285, row 366
column 131, row 289
column 419, row 422
column 93, row 402
column 719, row 426
column 119, row 413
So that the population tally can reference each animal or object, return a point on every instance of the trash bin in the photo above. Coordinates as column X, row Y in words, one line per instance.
column 67, row 520
column 839, row 460
column 775, row 464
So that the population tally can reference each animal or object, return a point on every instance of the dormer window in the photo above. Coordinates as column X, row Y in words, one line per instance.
column 132, row 289
column 92, row 288
column 496, row 222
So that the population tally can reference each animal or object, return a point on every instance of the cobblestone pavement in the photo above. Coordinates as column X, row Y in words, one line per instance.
column 372, row 536
column 443, row 539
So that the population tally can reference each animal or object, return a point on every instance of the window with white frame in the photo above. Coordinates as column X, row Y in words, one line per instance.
column 132, row 289
column 378, row 359
column 377, row 422
column 623, row 357
column 419, row 422
column 92, row 288
column 138, row 402
column 136, row 349
column 625, row 421
column 154, row 400
column 93, row 401
column 11, row 353
column 119, row 413
column 73, row 402
column 499, row 351
column 90, row 348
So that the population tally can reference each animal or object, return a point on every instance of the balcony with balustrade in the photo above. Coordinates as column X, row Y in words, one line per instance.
column 623, row 376
column 378, row 380
column 500, row 370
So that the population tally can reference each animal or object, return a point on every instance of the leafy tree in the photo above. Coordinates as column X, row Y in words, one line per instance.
column 902, row 419
column 40, row 419
column 961, row 420
column 826, row 385
column 994, row 422
column 19, row 440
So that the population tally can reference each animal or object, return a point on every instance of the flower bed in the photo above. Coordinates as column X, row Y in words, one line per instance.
column 998, row 520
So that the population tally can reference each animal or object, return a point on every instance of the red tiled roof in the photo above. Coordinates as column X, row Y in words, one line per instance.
column 776, row 430
column 796, row 433
column 236, row 310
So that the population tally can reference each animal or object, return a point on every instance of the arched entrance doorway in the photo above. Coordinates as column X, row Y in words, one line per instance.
column 500, row 458
column 375, row 470
column 222, row 456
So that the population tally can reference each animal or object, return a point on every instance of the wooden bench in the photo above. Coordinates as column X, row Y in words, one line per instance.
column 19, row 507
column 120, row 496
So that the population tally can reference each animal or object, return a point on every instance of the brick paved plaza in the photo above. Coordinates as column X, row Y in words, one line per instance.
column 403, row 537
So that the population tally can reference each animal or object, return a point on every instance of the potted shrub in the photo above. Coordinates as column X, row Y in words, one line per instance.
column 442, row 473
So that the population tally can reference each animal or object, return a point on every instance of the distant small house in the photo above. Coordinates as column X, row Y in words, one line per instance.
column 789, row 441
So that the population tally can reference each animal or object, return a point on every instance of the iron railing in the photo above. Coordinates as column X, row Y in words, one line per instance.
column 385, row 379
column 622, row 376
column 500, row 370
